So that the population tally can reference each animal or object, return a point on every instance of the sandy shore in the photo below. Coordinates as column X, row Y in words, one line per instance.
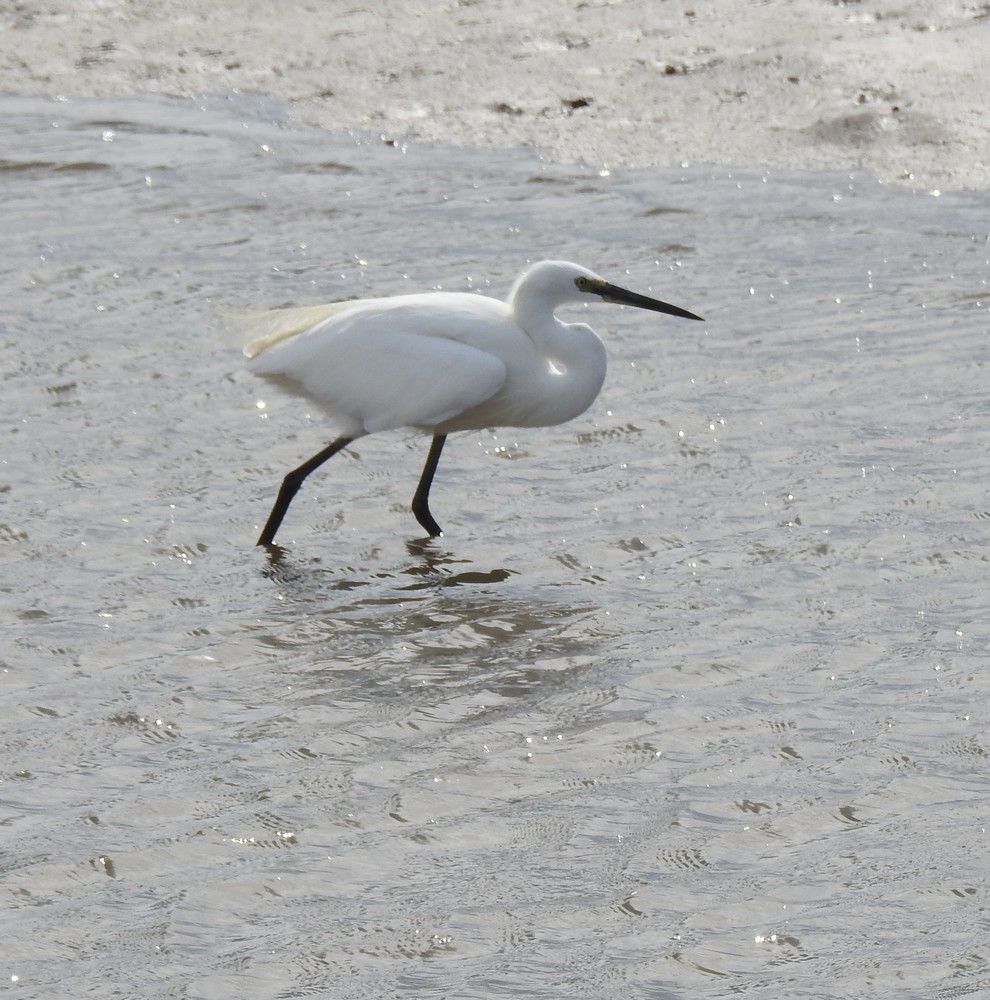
column 899, row 89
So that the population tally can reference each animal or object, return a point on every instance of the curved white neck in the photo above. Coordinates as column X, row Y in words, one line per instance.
column 573, row 351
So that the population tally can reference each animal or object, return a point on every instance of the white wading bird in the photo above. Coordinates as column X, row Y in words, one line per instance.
column 440, row 362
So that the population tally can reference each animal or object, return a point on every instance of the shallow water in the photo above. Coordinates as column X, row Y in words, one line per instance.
column 691, row 698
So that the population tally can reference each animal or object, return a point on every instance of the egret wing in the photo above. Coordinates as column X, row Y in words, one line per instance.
column 375, row 381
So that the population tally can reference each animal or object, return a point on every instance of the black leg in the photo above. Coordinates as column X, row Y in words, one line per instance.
column 421, row 500
column 290, row 487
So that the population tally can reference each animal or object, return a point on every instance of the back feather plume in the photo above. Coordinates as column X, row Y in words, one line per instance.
column 256, row 332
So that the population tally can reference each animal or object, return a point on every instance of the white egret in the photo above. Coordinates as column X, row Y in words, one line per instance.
column 440, row 362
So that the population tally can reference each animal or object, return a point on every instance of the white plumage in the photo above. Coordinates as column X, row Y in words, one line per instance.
column 379, row 364
column 440, row 362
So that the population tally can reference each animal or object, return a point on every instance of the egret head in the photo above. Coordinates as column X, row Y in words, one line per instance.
column 551, row 283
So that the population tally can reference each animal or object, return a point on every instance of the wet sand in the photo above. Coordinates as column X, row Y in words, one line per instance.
column 897, row 89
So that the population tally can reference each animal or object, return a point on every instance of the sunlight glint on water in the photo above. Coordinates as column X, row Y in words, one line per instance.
column 688, row 700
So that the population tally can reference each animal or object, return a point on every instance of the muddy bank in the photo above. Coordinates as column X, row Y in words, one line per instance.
column 896, row 89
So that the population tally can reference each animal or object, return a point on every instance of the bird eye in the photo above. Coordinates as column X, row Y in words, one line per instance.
column 582, row 283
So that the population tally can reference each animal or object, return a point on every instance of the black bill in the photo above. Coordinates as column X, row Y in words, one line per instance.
column 613, row 293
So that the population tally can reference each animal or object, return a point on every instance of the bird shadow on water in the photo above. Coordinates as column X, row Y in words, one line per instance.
column 431, row 617
column 431, row 568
